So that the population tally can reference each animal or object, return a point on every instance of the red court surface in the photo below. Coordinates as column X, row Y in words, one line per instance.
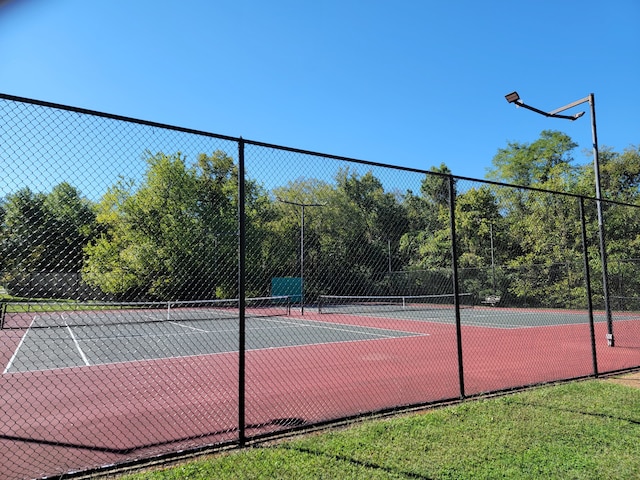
column 74, row 419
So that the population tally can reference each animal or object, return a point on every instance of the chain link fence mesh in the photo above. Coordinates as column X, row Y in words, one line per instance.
column 167, row 290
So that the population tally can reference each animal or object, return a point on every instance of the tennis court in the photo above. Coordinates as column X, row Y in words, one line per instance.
column 494, row 318
column 104, row 334
column 440, row 309
column 108, row 334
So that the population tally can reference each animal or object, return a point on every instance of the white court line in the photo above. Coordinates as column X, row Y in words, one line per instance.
column 351, row 329
column 75, row 341
column 190, row 327
column 15, row 354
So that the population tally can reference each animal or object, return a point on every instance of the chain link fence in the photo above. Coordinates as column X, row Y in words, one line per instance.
column 168, row 290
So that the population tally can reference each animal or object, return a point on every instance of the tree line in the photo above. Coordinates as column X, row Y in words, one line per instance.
column 174, row 234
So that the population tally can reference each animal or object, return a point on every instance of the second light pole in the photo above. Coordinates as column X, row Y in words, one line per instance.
column 302, row 207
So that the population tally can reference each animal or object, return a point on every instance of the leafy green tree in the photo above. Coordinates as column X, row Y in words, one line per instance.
column 23, row 235
column 478, row 220
column 72, row 222
column 548, row 159
column 174, row 236
column 543, row 228
column 435, row 187
column 349, row 239
column 44, row 233
column 621, row 176
column 620, row 181
column 376, row 221
column 281, row 248
column 427, row 243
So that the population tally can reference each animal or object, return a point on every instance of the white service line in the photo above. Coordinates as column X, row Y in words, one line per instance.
column 75, row 340
column 190, row 327
column 15, row 354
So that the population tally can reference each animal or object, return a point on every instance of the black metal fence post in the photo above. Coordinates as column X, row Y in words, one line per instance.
column 456, row 288
column 241, row 294
column 587, row 282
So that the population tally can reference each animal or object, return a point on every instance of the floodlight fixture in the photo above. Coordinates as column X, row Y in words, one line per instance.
column 512, row 97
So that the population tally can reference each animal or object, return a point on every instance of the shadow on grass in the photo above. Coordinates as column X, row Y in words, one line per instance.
column 577, row 412
column 359, row 463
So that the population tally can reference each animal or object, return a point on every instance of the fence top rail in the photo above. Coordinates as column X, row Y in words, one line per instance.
column 122, row 118
column 112, row 116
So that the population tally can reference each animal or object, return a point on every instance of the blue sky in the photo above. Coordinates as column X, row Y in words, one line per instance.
column 412, row 83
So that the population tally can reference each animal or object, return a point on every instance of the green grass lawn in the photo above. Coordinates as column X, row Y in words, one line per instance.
column 588, row 429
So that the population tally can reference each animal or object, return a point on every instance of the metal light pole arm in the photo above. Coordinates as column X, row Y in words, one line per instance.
column 571, row 105
column 520, row 103
column 594, row 136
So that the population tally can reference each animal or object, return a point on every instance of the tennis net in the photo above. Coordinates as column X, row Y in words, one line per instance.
column 373, row 304
column 22, row 315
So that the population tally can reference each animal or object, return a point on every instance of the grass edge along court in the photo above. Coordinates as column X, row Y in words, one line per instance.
column 580, row 430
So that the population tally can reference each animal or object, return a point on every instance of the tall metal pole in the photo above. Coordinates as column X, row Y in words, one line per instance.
column 302, row 206
column 513, row 97
column 601, row 233
column 493, row 263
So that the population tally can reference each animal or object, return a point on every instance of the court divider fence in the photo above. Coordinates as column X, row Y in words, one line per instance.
column 140, row 321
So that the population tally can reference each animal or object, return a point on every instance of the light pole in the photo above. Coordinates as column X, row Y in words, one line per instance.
column 493, row 258
column 302, row 207
column 493, row 261
column 513, row 97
